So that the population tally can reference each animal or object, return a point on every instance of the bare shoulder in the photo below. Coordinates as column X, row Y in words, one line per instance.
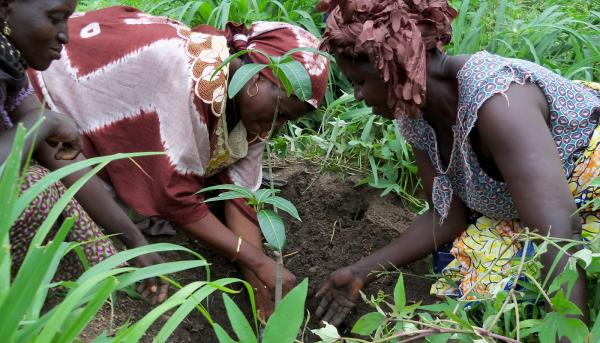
column 518, row 100
column 456, row 63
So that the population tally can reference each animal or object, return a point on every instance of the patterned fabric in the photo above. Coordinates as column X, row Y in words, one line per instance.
column 13, row 80
column 96, row 248
column 574, row 112
column 484, row 254
column 135, row 82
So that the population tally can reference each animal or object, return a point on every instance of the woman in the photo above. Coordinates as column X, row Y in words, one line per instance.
column 504, row 140
column 33, row 34
column 135, row 82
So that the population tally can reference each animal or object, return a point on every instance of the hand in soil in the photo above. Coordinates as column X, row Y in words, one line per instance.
column 264, row 299
column 338, row 296
column 154, row 290
column 266, row 273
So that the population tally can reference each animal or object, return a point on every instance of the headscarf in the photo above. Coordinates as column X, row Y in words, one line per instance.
column 12, row 74
column 276, row 39
column 395, row 36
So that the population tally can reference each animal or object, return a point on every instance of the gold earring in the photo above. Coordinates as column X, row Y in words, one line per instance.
column 255, row 93
column 6, row 30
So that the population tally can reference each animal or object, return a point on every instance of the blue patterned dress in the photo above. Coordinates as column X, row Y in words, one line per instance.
column 481, row 255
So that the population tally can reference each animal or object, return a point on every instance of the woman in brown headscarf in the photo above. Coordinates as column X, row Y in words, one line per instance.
column 504, row 141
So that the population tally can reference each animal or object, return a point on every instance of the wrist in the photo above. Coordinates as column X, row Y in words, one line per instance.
column 133, row 239
column 251, row 257
column 362, row 271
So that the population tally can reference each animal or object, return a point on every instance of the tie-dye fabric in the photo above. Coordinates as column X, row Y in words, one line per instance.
column 574, row 111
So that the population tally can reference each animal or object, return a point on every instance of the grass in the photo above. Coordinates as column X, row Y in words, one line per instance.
column 561, row 35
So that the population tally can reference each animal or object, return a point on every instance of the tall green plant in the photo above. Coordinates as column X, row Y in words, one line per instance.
column 22, row 298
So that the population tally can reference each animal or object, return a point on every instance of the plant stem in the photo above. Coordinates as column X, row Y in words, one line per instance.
column 515, row 281
column 278, row 279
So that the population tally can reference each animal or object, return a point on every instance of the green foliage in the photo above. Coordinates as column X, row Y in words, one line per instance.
column 269, row 221
column 22, row 298
column 282, row 326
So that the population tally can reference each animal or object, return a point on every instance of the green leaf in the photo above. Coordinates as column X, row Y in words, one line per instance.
column 272, row 228
column 554, row 324
column 240, row 324
column 127, row 255
column 229, row 187
column 284, row 205
column 242, row 76
column 574, row 329
column 562, row 305
column 227, row 60
column 585, row 256
column 368, row 323
column 136, row 331
column 282, row 77
column 226, row 196
column 75, row 327
column 222, row 335
column 263, row 194
column 399, row 294
column 158, row 269
column 189, row 305
column 439, row 338
column 460, row 321
column 28, row 281
column 299, row 79
column 285, row 322
column 9, row 190
column 327, row 334
column 595, row 333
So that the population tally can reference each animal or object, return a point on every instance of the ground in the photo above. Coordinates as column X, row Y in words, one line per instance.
column 340, row 223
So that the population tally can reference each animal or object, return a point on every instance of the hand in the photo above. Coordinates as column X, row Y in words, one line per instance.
column 154, row 290
column 338, row 296
column 63, row 131
column 265, row 302
column 266, row 273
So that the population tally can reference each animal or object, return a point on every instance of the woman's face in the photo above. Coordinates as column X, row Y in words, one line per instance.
column 39, row 29
column 257, row 101
column 368, row 85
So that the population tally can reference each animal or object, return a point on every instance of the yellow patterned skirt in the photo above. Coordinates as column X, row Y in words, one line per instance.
column 484, row 253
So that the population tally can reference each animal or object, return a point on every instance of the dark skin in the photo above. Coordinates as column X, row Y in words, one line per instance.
column 256, row 108
column 513, row 144
column 39, row 30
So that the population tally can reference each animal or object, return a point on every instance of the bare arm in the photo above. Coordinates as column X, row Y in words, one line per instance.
column 56, row 129
column 215, row 234
column 423, row 235
column 525, row 153
column 340, row 292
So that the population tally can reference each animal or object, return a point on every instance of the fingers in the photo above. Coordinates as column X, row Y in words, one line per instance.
column 149, row 289
column 164, row 291
column 323, row 290
column 323, row 305
column 331, row 312
column 339, row 317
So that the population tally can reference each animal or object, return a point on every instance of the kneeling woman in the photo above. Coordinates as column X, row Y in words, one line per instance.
column 503, row 141
column 135, row 82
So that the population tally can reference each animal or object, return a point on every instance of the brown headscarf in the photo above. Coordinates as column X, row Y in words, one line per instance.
column 395, row 36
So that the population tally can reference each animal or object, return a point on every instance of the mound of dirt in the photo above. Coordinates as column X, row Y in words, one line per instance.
column 340, row 224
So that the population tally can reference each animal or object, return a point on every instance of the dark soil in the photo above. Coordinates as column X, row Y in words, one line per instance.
column 340, row 224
